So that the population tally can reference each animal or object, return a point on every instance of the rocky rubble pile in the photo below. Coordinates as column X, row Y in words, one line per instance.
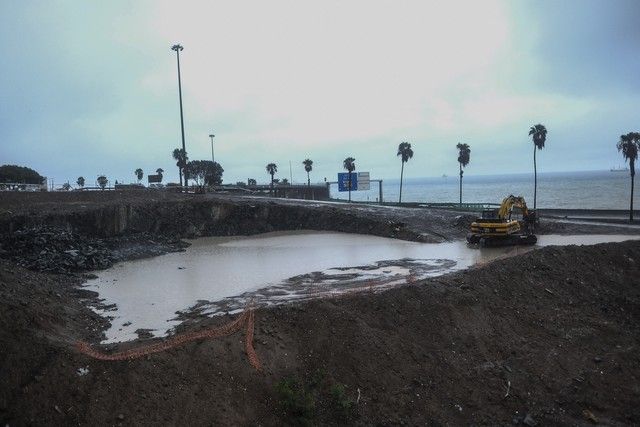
column 55, row 250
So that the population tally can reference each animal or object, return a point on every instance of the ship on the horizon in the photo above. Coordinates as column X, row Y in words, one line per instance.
column 619, row 169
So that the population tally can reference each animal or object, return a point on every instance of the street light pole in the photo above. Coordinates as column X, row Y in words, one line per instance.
column 177, row 48
column 212, row 158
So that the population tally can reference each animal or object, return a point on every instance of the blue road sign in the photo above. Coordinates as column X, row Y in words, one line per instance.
column 343, row 181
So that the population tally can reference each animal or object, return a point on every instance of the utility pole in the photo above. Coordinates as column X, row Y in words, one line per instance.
column 290, row 174
column 212, row 158
column 177, row 48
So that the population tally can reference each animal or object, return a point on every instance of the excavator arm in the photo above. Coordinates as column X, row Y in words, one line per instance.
column 510, row 202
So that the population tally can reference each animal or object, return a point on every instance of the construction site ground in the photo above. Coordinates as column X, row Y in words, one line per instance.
column 545, row 338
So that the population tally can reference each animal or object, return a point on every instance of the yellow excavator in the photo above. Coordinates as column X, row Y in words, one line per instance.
column 497, row 228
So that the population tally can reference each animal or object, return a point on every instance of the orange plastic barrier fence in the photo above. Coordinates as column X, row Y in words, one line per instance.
column 248, row 344
column 246, row 318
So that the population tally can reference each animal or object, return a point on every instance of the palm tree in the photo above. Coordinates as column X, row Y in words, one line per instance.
column 628, row 144
column 181, row 162
column 405, row 152
column 538, row 134
column 102, row 182
column 80, row 181
column 308, row 166
column 464, row 155
column 349, row 165
column 272, row 168
column 160, row 172
column 139, row 174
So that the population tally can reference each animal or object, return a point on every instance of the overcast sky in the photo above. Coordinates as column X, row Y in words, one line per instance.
column 90, row 87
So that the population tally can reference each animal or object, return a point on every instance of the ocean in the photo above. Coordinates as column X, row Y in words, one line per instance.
column 569, row 190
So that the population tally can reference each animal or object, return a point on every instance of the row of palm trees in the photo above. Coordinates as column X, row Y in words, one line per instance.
column 272, row 168
column 628, row 144
column 348, row 163
column 537, row 132
column 139, row 173
column 102, row 180
column 405, row 152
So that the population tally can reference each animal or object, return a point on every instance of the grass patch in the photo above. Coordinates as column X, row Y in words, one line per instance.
column 296, row 401
column 343, row 406
column 317, row 398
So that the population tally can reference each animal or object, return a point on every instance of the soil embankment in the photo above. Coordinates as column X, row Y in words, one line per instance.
column 74, row 232
column 121, row 213
column 546, row 338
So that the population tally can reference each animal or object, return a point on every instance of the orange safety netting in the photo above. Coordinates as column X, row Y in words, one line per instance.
column 246, row 318
column 248, row 343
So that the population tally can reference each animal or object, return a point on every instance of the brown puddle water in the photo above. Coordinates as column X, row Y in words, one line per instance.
column 221, row 274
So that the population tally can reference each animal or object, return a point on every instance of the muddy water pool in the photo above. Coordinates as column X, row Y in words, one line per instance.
column 222, row 274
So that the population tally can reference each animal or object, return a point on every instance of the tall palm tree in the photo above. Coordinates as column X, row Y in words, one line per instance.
column 349, row 164
column 405, row 152
column 272, row 168
column 628, row 144
column 308, row 166
column 464, row 155
column 538, row 134
column 181, row 162
column 139, row 174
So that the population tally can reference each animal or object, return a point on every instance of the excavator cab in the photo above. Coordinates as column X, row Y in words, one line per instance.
column 489, row 214
column 496, row 227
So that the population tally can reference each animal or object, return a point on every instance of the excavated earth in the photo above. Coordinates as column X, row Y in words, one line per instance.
column 550, row 337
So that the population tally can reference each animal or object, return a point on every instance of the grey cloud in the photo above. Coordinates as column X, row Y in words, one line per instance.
column 588, row 46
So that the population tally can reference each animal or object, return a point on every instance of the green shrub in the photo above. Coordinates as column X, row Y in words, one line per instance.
column 297, row 403
column 317, row 398
column 341, row 403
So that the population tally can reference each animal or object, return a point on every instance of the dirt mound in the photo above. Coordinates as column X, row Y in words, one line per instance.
column 58, row 250
column 546, row 338
column 55, row 249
